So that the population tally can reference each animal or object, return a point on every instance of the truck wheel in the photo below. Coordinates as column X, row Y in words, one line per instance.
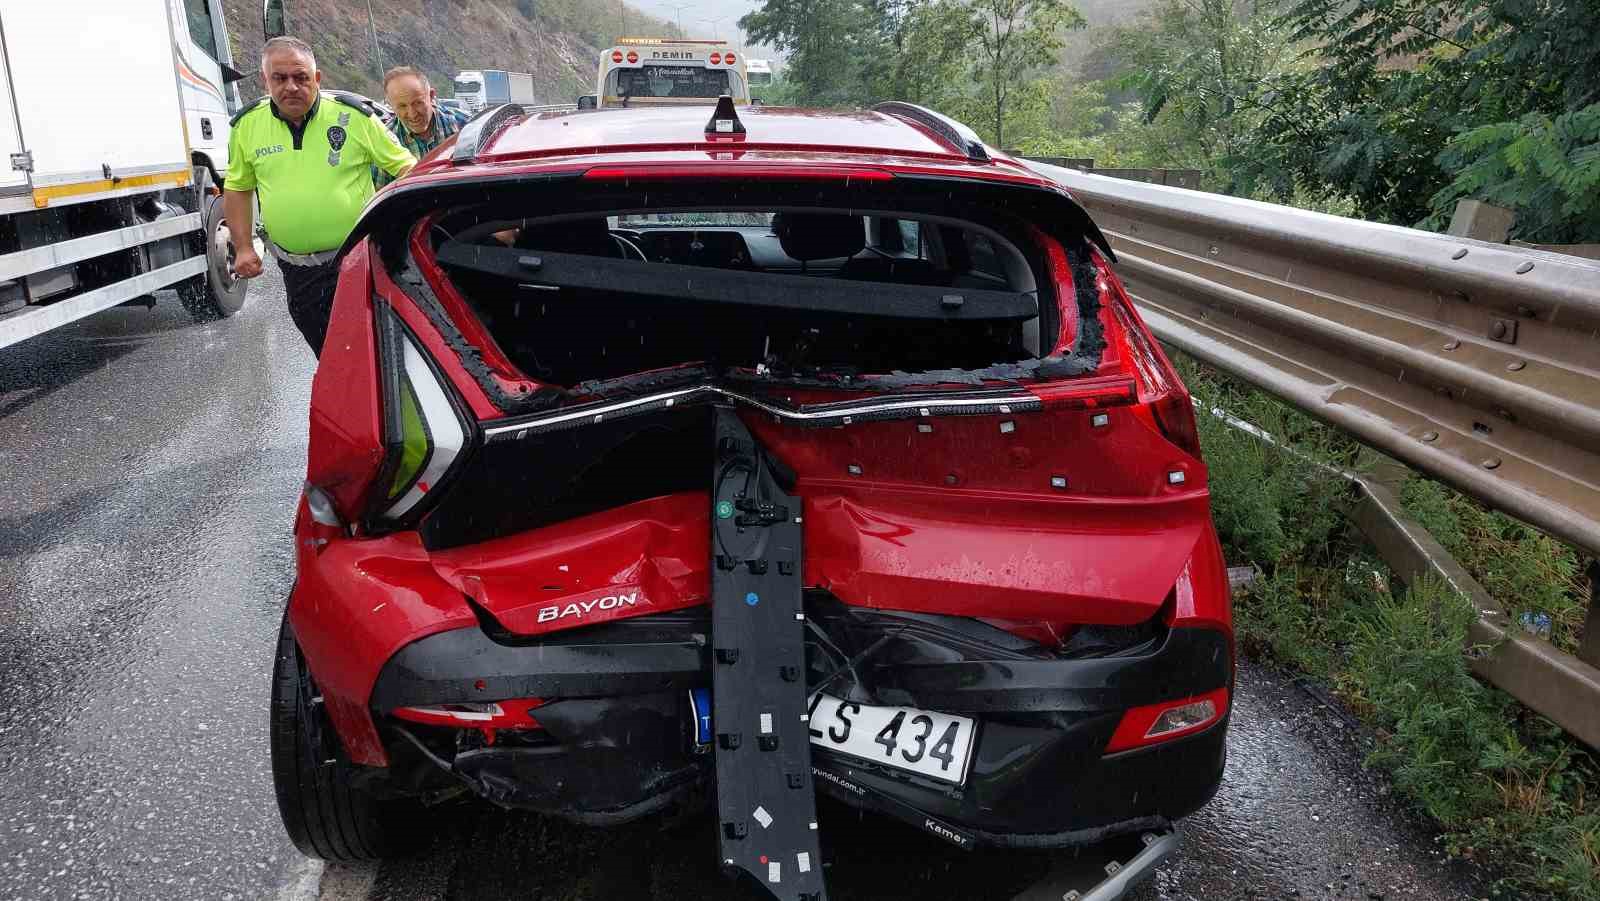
column 215, row 294
column 325, row 815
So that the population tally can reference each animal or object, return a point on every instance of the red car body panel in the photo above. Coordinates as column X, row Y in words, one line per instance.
column 655, row 554
column 346, row 447
column 355, row 603
column 916, row 550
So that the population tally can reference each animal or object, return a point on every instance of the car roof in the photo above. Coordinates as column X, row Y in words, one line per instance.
column 843, row 134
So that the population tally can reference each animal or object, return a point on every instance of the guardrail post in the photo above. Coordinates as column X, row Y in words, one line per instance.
column 1589, row 651
column 1476, row 219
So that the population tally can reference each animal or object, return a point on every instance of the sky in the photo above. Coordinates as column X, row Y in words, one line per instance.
column 696, row 15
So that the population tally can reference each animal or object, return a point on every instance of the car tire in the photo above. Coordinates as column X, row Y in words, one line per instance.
column 325, row 815
column 215, row 293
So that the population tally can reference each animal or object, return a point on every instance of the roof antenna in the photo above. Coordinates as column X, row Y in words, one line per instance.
column 725, row 119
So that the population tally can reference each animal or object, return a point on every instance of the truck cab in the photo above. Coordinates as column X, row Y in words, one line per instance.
column 663, row 72
column 469, row 89
column 478, row 89
column 760, row 72
column 207, row 79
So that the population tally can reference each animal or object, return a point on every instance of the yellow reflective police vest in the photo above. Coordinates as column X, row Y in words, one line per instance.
column 312, row 181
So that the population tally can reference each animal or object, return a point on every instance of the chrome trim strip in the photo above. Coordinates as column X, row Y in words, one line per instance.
column 974, row 403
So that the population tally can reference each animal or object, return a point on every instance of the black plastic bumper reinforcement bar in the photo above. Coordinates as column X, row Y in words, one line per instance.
column 577, row 276
column 766, row 805
column 965, row 402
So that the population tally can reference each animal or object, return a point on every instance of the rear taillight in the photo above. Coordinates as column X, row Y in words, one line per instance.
column 1156, row 723
column 1160, row 389
column 632, row 57
column 423, row 430
column 716, row 59
column 616, row 56
column 1087, row 394
column 729, row 59
column 488, row 719
column 494, row 715
column 1174, row 415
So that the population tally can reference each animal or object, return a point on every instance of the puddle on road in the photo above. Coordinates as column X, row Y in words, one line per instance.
column 1297, row 818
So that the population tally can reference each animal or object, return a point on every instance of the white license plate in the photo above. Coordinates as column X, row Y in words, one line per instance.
column 932, row 744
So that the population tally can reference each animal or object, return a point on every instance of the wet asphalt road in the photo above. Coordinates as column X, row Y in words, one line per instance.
column 148, row 471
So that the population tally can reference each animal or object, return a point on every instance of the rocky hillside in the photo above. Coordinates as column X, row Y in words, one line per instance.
column 558, row 41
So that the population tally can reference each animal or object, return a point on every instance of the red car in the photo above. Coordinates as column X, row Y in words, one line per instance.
column 873, row 387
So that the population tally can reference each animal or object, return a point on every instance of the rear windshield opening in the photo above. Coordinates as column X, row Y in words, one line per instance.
column 787, row 294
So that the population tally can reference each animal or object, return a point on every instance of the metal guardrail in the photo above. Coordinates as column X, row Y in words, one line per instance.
column 1476, row 363
column 1562, row 687
column 1177, row 178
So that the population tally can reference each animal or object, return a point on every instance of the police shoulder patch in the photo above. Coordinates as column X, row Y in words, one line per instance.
column 249, row 108
column 354, row 100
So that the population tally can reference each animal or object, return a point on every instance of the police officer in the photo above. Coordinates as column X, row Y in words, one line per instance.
column 309, row 157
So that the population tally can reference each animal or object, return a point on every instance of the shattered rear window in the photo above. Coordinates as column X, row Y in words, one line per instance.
column 814, row 295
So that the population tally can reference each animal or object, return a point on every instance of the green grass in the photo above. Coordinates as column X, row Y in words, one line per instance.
column 1504, row 785
column 1524, row 569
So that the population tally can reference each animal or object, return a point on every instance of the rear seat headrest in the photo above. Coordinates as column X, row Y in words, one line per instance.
column 819, row 236
column 589, row 235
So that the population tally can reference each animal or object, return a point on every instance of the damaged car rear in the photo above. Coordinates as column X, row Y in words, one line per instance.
column 581, row 365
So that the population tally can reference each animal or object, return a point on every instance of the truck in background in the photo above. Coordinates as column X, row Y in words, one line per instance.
column 759, row 71
column 479, row 89
column 103, row 203
column 662, row 72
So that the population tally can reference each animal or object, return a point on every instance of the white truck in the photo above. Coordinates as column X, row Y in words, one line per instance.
column 113, row 143
column 760, row 72
column 478, row 89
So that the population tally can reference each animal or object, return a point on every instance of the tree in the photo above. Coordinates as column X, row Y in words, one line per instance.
column 1547, row 169
column 828, row 43
column 1203, row 70
column 1015, row 39
column 927, row 53
column 1414, row 103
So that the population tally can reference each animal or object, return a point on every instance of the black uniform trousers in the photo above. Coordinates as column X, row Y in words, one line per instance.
column 310, row 291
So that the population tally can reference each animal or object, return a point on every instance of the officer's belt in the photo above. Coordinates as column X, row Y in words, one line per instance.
column 302, row 259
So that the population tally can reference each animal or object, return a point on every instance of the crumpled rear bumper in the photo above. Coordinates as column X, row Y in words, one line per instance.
column 1039, row 776
column 620, row 741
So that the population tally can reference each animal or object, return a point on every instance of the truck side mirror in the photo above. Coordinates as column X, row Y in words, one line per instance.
column 586, row 101
column 274, row 21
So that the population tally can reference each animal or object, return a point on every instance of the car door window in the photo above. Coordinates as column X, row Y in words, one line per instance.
column 911, row 237
column 198, row 14
column 985, row 259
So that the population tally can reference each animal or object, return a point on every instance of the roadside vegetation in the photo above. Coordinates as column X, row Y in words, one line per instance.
column 1390, row 110
column 1507, row 787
